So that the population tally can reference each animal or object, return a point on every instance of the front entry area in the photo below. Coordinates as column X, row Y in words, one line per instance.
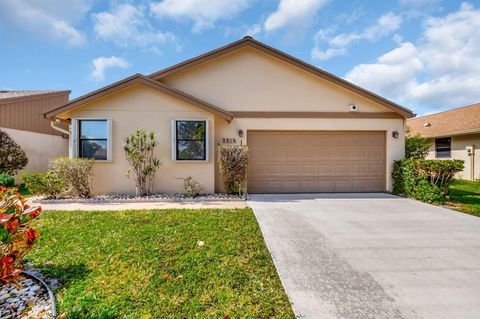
column 316, row 161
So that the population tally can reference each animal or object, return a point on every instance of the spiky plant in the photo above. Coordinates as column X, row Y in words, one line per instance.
column 139, row 150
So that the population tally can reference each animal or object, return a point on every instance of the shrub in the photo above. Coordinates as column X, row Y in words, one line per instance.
column 12, row 157
column 192, row 187
column 425, row 180
column 47, row 183
column 16, row 235
column 233, row 162
column 76, row 172
column 6, row 180
column 139, row 150
column 416, row 147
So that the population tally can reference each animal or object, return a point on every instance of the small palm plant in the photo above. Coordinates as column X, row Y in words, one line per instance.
column 139, row 150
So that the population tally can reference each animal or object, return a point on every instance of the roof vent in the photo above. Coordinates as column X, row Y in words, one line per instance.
column 427, row 124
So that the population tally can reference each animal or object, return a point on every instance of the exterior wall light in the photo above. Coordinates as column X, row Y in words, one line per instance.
column 395, row 134
column 240, row 133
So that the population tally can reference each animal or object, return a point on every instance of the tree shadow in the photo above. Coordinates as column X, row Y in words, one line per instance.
column 65, row 274
column 465, row 197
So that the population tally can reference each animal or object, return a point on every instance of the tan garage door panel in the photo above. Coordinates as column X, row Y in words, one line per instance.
column 316, row 161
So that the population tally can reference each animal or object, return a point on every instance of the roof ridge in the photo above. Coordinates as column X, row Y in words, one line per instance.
column 205, row 57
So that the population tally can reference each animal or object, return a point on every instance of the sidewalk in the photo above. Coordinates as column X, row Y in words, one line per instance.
column 141, row 205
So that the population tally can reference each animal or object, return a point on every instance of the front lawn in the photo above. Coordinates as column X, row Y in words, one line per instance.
column 465, row 196
column 160, row 264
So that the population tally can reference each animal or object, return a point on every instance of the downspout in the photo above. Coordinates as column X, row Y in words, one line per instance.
column 52, row 124
column 472, row 164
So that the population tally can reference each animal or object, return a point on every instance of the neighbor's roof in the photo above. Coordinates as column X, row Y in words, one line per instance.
column 459, row 121
column 7, row 95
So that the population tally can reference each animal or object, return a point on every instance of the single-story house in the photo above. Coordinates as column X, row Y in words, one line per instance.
column 307, row 130
column 21, row 116
column 453, row 134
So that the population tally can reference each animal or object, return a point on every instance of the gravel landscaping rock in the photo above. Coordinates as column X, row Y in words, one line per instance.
column 119, row 198
column 25, row 299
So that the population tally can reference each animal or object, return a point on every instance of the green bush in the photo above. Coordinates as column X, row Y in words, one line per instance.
column 76, row 172
column 6, row 180
column 192, row 187
column 416, row 146
column 425, row 180
column 12, row 157
column 49, row 184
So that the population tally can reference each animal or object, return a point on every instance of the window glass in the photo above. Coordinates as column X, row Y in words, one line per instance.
column 93, row 129
column 443, row 147
column 93, row 139
column 191, row 140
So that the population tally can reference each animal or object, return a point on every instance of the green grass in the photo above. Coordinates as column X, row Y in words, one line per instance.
column 116, row 264
column 465, row 196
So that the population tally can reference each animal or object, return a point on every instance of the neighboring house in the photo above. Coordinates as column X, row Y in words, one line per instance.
column 454, row 134
column 307, row 130
column 21, row 116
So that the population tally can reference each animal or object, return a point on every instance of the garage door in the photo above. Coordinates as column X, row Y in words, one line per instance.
column 316, row 161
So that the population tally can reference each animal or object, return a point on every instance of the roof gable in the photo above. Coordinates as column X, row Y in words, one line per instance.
column 248, row 41
column 137, row 79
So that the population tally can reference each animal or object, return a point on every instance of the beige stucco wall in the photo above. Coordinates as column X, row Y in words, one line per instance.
column 251, row 80
column 246, row 80
column 395, row 146
column 458, row 152
column 141, row 106
column 39, row 148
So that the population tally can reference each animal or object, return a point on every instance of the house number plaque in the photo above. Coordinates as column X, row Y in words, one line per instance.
column 229, row 140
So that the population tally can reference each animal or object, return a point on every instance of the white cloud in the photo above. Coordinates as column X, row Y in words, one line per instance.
column 418, row 3
column 292, row 12
column 253, row 30
column 441, row 70
column 50, row 19
column 338, row 44
column 101, row 64
column 128, row 25
column 203, row 13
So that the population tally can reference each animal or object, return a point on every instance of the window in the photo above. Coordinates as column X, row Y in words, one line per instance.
column 443, row 147
column 190, row 140
column 93, row 139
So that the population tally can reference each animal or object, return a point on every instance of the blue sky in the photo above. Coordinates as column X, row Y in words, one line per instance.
column 423, row 54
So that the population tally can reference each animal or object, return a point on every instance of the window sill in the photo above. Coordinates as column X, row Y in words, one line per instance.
column 99, row 161
column 190, row 161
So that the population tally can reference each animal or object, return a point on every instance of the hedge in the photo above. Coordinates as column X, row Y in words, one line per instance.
column 425, row 180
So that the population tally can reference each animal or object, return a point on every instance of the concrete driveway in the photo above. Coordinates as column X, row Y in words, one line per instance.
column 372, row 256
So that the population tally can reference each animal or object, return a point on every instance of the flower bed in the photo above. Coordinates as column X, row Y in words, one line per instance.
column 119, row 198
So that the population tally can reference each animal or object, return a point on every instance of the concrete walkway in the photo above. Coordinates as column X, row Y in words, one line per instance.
column 372, row 256
column 141, row 205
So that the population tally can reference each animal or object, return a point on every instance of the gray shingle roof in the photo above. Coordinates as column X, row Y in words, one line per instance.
column 7, row 94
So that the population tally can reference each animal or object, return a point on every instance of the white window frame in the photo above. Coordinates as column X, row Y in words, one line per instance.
column 74, row 140
column 174, row 139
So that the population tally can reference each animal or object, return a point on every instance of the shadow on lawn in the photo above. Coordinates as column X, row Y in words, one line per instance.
column 66, row 274
column 465, row 197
